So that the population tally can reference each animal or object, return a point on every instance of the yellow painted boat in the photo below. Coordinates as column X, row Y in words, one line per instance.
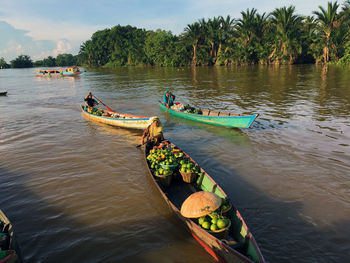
column 117, row 119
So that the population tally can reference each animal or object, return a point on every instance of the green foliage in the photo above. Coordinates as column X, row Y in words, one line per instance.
column 281, row 37
column 345, row 60
column 22, row 61
column 63, row 60
column 3, row 63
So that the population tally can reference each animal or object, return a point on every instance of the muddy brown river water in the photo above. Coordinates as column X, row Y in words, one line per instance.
column 78, row 191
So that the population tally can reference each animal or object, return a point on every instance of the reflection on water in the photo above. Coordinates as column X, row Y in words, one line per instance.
column 78, row 191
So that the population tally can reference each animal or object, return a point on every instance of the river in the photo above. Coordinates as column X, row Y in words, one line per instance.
column 78, row 191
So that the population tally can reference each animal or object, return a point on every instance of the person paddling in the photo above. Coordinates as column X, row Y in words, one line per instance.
column 153, row 133
column 90, row 102
column 168, row 99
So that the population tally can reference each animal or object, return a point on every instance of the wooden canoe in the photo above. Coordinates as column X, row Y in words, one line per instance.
column 4, row 93
column 118, row 119
column 215, row 117
column 240, row 245
column 9, row 251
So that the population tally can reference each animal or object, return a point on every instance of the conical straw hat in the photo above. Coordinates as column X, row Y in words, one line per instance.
column 200, row 204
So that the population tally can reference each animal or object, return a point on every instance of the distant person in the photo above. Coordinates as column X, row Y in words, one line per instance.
column 168, row 99
column 153, row 133
column 90, row 102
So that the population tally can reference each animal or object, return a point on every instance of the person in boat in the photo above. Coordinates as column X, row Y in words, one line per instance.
column 90, row 102
column 153, row 133
column 168, row 99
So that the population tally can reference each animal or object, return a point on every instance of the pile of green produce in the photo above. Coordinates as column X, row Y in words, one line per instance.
column 213, row 222
column 186, row 166
column 192, row 110
column 97, row 112
column 162, row 161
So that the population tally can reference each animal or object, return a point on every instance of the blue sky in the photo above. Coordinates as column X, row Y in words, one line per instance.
column 41, row 28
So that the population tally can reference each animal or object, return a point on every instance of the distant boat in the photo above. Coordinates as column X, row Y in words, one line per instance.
column 62, row 72
column 9, row 250
column 3, row 93
column 225, row 119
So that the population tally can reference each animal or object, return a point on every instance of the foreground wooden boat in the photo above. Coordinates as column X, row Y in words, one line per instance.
column 215, row 118
column 117, row 119
column 238, row 246
column 4, row 93
column 9, row 250
column 62, row 72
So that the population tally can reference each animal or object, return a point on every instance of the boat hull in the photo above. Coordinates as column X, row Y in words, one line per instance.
column 3, row 93
column 237, row 121
column 130, row 122
column 57, row 74
column 14, row 253
column 61, row 72
column 217, row 248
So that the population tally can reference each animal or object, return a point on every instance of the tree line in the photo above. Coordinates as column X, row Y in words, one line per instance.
column 279, row 37
column 24, row 61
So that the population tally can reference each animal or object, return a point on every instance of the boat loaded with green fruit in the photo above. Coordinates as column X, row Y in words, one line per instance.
column 231, row 120
column 217, row 226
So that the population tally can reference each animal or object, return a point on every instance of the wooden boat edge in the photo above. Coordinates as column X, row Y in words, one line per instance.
column 13, row 245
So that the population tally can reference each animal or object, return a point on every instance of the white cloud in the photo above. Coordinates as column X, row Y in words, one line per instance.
column 12, row 48
column 63, row 46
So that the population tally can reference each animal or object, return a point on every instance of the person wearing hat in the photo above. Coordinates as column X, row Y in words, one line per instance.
column 168, row 99
column 153, row 133
column 90, row 102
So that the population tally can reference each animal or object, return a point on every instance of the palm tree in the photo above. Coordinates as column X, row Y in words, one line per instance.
column 250, row 30
column 288, row 27
column 193, row 33
column 327, row 22
column 224, row 34
column 213, row 28
column 246, row 26
column 345, row 13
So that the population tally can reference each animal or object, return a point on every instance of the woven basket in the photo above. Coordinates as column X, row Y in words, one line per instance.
column 226, row 211
column 221, row 233
column 188, row 177
column 164, row 180
column 169, row 166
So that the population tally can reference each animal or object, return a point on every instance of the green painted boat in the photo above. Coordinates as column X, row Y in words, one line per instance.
column 215, row 117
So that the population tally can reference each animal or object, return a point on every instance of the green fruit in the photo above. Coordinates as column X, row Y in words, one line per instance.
column 206, row 225
column 201, row 220
column 224, row 207
column 213, row 227
column 221, row 223
column 214, row 221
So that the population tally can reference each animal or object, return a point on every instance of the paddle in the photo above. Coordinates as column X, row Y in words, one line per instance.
column 103, row 104
column 167, row 105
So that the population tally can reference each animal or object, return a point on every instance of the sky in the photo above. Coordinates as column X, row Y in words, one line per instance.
column 42, row 28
